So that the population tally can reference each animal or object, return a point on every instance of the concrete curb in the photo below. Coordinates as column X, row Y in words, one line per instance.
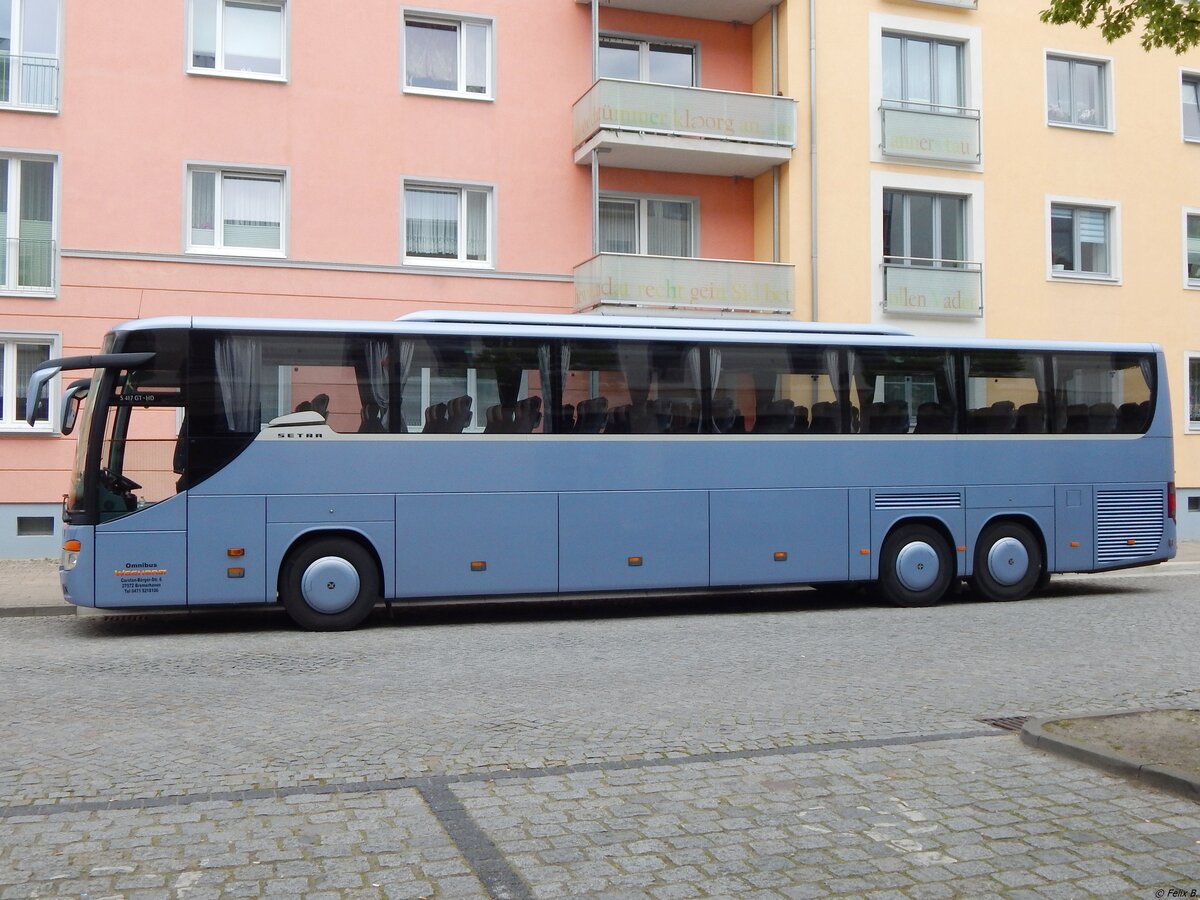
column 1162, row 777
column 12, row 612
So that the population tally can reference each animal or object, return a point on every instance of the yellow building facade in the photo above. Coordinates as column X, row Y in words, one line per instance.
column 964, row 170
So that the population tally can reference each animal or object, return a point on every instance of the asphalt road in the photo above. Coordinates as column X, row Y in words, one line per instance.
column 771, row 746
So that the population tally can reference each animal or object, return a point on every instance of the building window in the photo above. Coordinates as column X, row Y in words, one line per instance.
column 1077, row 92
column 645, row 60
column 19, row 356
column 245, row 38
column 1193, row 391
column 923, row 71
column 449, row 224
column 27, row 225
column 924, row 229
column 1193, row 249
column 448, row 56
column 29, row 53
column 1080, row 241
column 235, row 211
column 648, row 225
column 1191, row 108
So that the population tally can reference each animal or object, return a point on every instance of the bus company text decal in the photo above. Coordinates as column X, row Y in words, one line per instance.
column 141, row 577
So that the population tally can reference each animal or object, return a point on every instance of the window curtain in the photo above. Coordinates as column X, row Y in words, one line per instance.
column 477, row 222
column 403, row 367
column 553, row 382
column 376, row 353
column 635, row 364
column 36, row 257
column 618, row 226
column 431, row 223
column 431, row 55
column 251, row 207
column 204, row 209
column 239, row 362
column 29, row 357
column 950, row 366
column 252, row 38
column 669, row 228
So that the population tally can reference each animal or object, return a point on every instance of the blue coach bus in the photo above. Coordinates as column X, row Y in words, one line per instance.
column 329, row 466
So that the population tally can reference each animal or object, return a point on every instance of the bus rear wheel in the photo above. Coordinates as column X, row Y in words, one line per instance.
column 1008, row 562
column 916, row 566
column 329, row 584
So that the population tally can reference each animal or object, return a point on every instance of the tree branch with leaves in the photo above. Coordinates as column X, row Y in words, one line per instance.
column 1164, row 23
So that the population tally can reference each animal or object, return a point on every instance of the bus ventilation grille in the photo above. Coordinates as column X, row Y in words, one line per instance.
column 1129, row 524
column 947, row 500
column 1008, row 723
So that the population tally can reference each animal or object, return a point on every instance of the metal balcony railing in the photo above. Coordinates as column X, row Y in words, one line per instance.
column 932, row 287
column 28, row 265
column 626, row 280
column 930, row 131
column 29, row 82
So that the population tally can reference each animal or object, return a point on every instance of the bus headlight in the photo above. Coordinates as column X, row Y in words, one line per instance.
column 70, row 556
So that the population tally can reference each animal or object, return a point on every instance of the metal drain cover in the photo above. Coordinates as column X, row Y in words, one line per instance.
column 1008, row 723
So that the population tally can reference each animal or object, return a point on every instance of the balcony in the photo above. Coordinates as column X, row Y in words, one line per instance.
column 29, row 82
column 626, row 283
column 927, row 132
column 961, row 4
column 745, row 11
column 946, row 288
column 664, row 128
column 27, row 266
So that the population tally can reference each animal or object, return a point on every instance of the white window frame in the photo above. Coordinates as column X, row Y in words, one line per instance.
column 1190, row 426
column 1189, row 283
column 220, row 170
column 1113, row 209
column 441, row 17
column 973, row 249
column 643, row 219
column 1110, row 99
column 17, row 51
column 644, row 41
column 9, row 287
column 9, row 423
column 218, row 70
column 971, row 39
column 1187, row 76
column 461, row 187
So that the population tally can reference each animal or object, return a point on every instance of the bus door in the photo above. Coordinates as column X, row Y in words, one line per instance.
column 136, row 498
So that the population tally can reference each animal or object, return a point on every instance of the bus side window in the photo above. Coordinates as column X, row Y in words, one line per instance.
column 1103, row 393
column 910, row 391
column 1006, row 392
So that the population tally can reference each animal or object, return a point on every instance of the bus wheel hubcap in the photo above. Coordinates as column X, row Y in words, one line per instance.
column 1008, row 561
column 917, row 566
column 330, row 584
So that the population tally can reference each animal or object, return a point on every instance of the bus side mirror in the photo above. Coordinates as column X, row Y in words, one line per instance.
column 73, row 398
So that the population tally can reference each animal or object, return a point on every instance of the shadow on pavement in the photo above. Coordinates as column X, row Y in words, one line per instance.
column 568, row 609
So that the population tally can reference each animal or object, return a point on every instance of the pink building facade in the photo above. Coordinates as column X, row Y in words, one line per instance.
column 272, row 158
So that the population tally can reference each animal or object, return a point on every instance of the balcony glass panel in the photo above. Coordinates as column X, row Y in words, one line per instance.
column 667, row 282
column 925, row 131
column 684, row 112
column 933, row 287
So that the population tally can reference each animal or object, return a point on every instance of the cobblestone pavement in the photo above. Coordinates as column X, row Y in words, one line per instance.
column 767, row 746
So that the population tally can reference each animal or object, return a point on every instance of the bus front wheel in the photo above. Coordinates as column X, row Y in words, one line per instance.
column 916, row 566
column 1008, row 562
column 330, row 584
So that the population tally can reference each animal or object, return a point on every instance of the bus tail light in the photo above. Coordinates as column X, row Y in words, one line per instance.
column 1171, row 500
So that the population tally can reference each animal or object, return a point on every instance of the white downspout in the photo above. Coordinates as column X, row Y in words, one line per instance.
column 812, row 144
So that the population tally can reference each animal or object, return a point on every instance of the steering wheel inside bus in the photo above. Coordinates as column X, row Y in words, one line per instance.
column 118, row 484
